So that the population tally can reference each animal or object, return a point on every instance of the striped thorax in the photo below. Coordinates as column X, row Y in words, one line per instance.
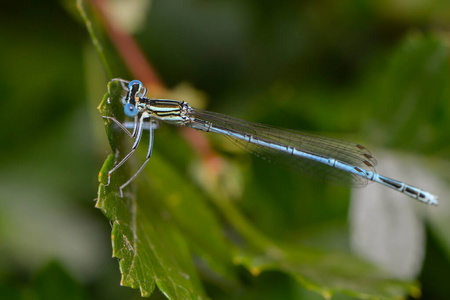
column 170, row 111
column 136, row 103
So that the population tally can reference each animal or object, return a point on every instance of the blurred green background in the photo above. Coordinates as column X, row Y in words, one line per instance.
column 373, row 72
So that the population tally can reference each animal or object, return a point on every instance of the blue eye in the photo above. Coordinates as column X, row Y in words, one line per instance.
column 130, row 110
column 134, row 82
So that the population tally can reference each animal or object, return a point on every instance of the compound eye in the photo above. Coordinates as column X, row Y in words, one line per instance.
column 130, row 110
column 133, row 83
column 137, row 88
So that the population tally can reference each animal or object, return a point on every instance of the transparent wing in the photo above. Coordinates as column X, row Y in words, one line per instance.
column 351, row 153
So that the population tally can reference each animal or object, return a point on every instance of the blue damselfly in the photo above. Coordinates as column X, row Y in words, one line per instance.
column 341, row 161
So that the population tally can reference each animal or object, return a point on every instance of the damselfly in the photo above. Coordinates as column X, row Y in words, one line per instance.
column 337, row 160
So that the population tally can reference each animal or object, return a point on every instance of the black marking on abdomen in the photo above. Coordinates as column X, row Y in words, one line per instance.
column 391, row 183
column 411, row 191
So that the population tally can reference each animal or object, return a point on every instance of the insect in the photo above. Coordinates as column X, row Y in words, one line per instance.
column 337, row 160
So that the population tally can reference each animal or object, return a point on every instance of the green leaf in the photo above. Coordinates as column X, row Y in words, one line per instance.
column 144, row 244
column 153, row 229
column 188, row 209
column 328, row 273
